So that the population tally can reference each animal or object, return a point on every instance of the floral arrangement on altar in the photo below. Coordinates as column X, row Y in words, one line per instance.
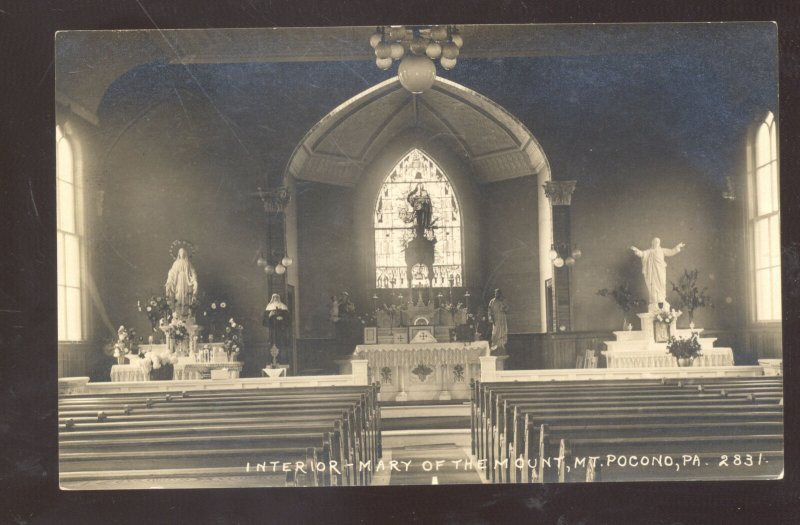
column 156, row 309
column 666, row 316
column 175, row 328
column 156, row 360
column 232, row 338
column 691, row 296
column 125, row 344
column 684, row 347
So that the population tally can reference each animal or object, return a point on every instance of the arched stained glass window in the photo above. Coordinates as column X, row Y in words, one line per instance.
column 394, row 227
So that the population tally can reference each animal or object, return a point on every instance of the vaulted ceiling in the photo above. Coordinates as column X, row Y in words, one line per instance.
column 495, row 144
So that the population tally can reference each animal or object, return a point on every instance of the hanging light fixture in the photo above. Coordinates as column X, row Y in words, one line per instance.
column 562, row 255
column 416, row 48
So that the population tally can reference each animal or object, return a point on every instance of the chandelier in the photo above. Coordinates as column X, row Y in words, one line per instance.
column 417, row 48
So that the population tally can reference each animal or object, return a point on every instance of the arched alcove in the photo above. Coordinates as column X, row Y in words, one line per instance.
column 351, row 150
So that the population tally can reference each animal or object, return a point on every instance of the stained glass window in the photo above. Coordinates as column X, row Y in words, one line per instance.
column 394, row 225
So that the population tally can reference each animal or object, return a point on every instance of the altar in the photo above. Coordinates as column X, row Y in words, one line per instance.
column 639, row 349
column 422, row 370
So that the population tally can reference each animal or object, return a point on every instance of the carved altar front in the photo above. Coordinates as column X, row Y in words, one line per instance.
column 420, row 371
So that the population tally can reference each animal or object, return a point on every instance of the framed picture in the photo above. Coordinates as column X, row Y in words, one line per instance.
column 370, row 335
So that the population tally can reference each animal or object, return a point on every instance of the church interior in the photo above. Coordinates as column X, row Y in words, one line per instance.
column 427, row 245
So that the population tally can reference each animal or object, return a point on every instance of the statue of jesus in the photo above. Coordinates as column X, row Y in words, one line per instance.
column 654, row 269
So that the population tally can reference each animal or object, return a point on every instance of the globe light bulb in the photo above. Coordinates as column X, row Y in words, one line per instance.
column 280, row 269
column 383, row 63
column 577, row 253
column 397, row 51
column 434, row 50
column 375, row 39
column 553, row 255
column 383, row 50
column 261, row 262
column 418, row 45
column 287, row 261
column 448, row 63
column 558, row 262
column 457, row 40
column 416, row 73
column 569, row 261
column 269, row 269
column 450, row 50
column 439, row 32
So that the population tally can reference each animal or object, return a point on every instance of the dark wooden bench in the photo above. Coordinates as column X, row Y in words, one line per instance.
column 504, row 429
column 138, row 440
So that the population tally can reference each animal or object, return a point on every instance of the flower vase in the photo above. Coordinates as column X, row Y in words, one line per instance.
column 685, row 361
column 121, row 360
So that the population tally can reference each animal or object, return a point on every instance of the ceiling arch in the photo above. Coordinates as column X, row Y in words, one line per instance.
column 491, row 141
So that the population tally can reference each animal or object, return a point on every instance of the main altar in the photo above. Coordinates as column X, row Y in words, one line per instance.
column 423, row 369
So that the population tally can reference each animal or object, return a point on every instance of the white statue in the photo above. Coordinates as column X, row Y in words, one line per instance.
column 654, row 269
column 498, row 309
column 181, row 287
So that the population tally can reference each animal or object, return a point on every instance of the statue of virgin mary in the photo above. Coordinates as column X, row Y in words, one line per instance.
column 181, row 287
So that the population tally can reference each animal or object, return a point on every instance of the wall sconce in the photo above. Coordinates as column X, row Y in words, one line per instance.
column 562, row 255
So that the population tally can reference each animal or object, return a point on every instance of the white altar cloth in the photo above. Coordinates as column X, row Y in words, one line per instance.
column 421, row 353
column 422, row 371
column 190, row 370
column 661, row 359
column 132, row 372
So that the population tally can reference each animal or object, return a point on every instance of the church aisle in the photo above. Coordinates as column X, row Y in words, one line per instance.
column 422, row 467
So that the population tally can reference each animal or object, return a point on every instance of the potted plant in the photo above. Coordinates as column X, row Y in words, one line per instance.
column 684, row 349
column 690, row 296
column 625, row 299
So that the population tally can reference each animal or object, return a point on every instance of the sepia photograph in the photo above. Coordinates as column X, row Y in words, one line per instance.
column 418, row 255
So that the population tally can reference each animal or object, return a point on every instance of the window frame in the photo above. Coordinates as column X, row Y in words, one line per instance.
column 753, row 219
column 64, row 138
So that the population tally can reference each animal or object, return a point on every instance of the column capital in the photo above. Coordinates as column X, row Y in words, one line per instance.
column 559, row 191
column 275, row 200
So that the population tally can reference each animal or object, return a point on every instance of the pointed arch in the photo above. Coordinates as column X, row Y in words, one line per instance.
column 417, row 169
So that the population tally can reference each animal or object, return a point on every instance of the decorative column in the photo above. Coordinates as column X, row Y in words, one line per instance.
column 560, row 195
column 275, row 201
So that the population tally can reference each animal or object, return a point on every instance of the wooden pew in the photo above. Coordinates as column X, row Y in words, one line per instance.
column 158, row 436
column 487, row 429
column 503, row 431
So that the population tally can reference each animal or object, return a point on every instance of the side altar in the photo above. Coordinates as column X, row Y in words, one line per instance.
column 423, row 369
column 646, row 348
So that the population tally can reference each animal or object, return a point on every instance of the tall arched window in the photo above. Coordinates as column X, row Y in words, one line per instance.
column 70, row 251
column 765, row 227
column 393, row 229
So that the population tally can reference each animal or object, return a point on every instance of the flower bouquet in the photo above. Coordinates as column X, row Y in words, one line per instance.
column 158, row 364
column 684, row 350
column 156, row 309
column 232, row 339
column 125, row 344
column 666, row 317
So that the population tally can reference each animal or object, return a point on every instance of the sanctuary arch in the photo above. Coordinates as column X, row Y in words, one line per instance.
column 471, row 138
